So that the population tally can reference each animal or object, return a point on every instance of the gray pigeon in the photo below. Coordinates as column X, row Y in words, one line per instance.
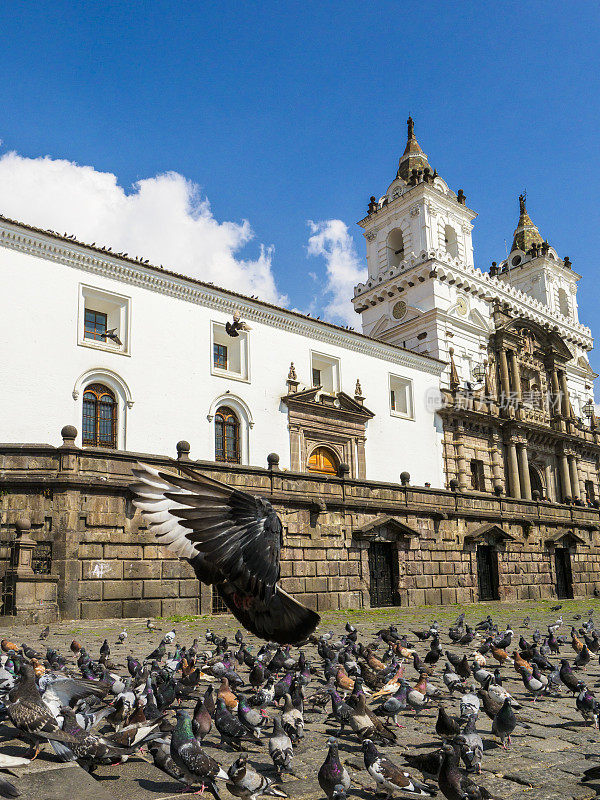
column 280, row 749
column 30, row 715
column 246, row 783
column 161, row 755
column 504, row 722
column 455, row 786
column 390, row 777
column 471, row 746
column 332, row 773
column 196, row 765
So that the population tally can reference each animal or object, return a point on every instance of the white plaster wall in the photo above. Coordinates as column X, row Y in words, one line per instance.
column 168, row 375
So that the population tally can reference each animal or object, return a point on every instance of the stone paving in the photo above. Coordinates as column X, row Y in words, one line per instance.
column 545, row 761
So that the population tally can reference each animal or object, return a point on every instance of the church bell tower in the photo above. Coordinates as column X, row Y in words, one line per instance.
column 419, row 219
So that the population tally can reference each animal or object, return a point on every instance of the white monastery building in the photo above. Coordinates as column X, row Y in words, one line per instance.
column 461, row 377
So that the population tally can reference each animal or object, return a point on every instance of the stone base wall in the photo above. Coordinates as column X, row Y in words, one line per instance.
column 106, row 564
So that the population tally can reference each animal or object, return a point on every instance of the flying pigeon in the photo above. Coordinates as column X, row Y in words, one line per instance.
column 238, row 324
column 232, row 540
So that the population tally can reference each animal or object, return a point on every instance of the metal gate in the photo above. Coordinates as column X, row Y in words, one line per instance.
column 564, row 576
column 218, row 604
column 487, row 572
column 382, row 572
column 8, row 560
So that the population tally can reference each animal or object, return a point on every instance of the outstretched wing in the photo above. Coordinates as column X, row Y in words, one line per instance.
column 282, row 619
column 226, row 533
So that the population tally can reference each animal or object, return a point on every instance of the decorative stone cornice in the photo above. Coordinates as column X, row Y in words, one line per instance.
column 52, row 247
column 434, row 264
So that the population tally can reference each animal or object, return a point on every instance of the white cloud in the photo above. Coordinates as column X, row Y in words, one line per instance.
column 331, row 239
column 164, row 219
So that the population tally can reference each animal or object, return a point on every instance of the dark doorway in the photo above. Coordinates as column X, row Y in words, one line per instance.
column 536, row 481
column 487, row 572
column 564, row 576
column 382, row 573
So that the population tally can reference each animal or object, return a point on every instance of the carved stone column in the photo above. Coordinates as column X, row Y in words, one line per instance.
column 516, row 374
column 514, row 482
column 361, row 460
column 550, row 483
column 461, row 461
column 496, row 454
column 573, row 474
column 565, row 404
column 555, row 394
column 565, row 480
column 524, row 471
column 504, row 375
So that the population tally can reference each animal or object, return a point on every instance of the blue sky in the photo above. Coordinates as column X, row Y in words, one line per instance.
column 294, row 111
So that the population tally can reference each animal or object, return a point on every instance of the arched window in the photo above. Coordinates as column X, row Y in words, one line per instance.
column 451, row 241
column 323, row 460
column 99, row 425
column 395, row 246
column 563, row 303
column 227, row 436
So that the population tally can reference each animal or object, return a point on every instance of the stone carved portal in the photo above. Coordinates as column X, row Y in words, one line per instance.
column 317, row 420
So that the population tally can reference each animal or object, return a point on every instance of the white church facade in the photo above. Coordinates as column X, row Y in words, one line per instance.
column 320, row 396
column 136, row 357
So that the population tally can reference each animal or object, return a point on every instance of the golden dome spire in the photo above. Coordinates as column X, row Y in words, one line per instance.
column 413, row 157
column 526, row 233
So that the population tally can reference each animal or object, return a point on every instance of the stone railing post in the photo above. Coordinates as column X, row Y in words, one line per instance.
column 183, row 450
column 35, row 596
column 69, row 452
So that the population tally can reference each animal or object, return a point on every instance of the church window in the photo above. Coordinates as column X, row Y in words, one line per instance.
column 99, row 423
column 325, row 372
column 477, row 475
column 563, row 303
column 95, row 325
column 395, row 247
column 103, row 320
column 590, row 494
column 227, row 436
column 323, row 460
column 220, row 356
column 229, row 356
column 451, row 241
column 401, row 399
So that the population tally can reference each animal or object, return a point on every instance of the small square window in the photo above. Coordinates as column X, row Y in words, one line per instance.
column 401, row 399
column 229, row 353
column 219, row 356
column 95, row 325
column 325, row 371
column 104, row 320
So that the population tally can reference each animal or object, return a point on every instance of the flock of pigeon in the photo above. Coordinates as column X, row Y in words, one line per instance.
column 169, row 705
